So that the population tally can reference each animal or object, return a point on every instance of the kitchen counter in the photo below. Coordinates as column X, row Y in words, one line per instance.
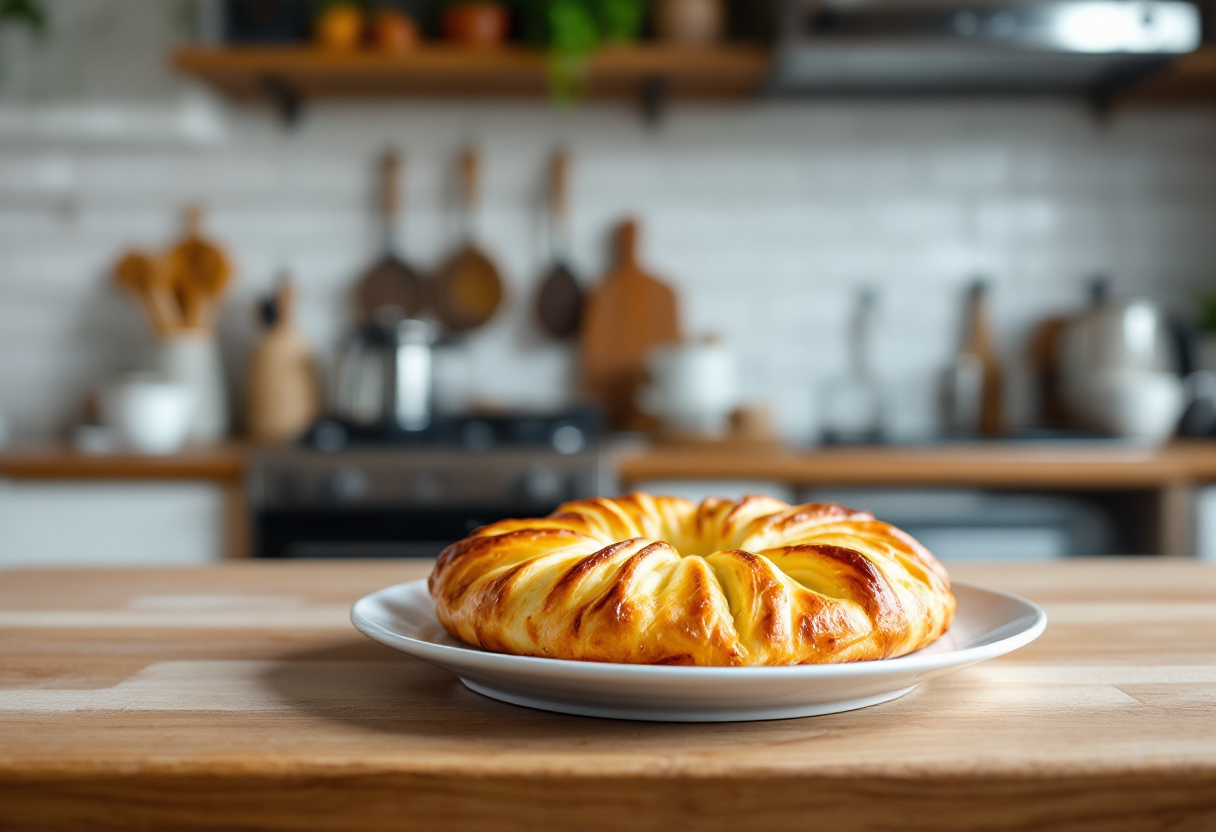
column 222, row 467
column 239, row 696
column 1172, row 471
column 999, row 465
column 977, row 464
column 223, row 463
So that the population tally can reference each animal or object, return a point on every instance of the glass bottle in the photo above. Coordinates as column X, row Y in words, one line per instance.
column 853, row 403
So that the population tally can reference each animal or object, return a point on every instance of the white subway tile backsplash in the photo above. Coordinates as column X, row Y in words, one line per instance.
column 766, row 217
column 27, row 174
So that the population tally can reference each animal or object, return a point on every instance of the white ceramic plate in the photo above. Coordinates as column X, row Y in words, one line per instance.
column 988, row 623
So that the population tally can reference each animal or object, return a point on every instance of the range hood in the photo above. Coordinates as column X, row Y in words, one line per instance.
column 1078, row 47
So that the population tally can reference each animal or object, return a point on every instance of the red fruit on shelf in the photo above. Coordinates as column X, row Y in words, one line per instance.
column 393, row 31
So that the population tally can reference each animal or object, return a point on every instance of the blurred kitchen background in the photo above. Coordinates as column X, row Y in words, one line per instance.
column 953, row 262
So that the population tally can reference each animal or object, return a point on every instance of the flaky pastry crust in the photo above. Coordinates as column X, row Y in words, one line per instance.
column 660, row 580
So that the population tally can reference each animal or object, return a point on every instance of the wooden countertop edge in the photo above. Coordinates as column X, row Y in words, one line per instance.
column 1065, row 466
column 289, row 802
column 224, row 463
column 1036, row 466
column 16, row 770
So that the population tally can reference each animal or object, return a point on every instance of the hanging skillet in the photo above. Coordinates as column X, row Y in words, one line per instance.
column 390, row 290
column 468, row 289
column 559, row 302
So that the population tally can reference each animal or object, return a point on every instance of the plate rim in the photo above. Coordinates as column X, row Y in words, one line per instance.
column 485, row 660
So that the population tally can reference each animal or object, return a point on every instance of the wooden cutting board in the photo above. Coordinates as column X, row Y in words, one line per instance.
column 627, row 316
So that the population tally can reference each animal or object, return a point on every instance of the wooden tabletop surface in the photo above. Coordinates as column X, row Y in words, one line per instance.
column 239, row 696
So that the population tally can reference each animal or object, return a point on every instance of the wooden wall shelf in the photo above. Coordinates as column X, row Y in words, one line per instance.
column 1189, row 80
column 291, row 75
column 652, row 74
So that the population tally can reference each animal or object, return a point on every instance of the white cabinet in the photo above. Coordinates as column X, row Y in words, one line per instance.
column 110, row 523
column 1205, row 523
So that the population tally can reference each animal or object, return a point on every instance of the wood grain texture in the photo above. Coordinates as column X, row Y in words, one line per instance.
column 976, row 464
column 1188, row 80
column 224, row 463
column 239, row 696
column 1014, row 466
column 627, row 316
column 717, row 72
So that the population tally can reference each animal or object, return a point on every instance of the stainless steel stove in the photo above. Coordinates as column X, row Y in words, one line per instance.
column 343, row 494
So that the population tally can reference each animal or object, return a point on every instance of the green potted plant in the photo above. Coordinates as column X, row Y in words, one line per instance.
column 29, row 13
column 1205, row 342
column 572, row 30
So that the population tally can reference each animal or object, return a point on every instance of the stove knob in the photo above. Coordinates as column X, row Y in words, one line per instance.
column 345, row 485
column 427, row 488
column 568, row 439
column 329, row 436
column 543, row 485
column 966, row 24
column 478, row 436
column 1002, row 25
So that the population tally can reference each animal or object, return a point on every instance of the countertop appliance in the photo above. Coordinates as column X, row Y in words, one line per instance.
column 350, row 492
column 385, row 378
column 1119, row 362
column 1088, row 47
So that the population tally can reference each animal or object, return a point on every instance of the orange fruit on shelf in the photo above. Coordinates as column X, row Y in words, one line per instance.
column 339, row 27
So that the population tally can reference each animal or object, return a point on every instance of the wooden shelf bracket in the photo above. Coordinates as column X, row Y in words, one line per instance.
column 655, row 97
column 286, row 100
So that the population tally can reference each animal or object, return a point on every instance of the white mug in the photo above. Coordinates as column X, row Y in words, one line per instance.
column 148, row 415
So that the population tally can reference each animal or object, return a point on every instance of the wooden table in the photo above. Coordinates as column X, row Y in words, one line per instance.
column 239, row 696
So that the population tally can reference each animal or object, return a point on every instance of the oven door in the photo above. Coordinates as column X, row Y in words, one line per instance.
column 406, row 532
column 401, row 502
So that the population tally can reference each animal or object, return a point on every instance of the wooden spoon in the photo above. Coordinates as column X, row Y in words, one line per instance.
column 390, row 290
column 468, row 289
column 559, row 303
column 144, row 277
column 198, row 271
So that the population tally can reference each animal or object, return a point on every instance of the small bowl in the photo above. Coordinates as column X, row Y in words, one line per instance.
column 147, row 415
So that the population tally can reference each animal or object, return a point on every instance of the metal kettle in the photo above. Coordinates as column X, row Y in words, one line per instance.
column 385, row 376
column 1119, row 368
column 1125, row 334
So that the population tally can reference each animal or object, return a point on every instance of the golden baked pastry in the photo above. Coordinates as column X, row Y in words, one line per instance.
column 661, row 580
